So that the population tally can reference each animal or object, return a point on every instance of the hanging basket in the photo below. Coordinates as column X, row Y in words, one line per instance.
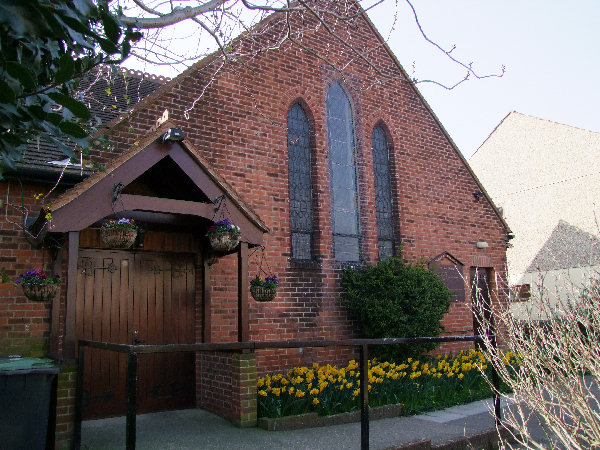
column 262, row 293
column 223, row 242
column 118, row 237
column 40, row 292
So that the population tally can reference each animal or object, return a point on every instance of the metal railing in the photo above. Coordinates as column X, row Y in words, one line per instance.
column 133, row 351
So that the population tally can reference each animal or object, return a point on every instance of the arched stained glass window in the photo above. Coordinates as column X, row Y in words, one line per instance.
column 383, row 193
column 301, row 221
column 344, row 187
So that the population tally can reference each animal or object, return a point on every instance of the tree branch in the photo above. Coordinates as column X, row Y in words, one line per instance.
column 176, row 16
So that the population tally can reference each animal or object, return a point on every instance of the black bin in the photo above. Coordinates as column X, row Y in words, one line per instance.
column 27, row 403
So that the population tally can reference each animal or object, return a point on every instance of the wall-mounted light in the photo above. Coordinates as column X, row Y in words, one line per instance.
column 509, row 236
column 481, row 244
column 477, row 195
column 173, row 135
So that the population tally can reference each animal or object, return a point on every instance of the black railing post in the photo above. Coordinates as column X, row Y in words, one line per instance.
column 496, row 383
column 78, row 399
column 132, row 361
column 364, row 397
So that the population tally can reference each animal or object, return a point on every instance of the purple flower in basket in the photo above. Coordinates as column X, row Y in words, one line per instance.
column 37, row 276
column 224, row 226
column 272, row 280
column 121, row 223
column 269, row 282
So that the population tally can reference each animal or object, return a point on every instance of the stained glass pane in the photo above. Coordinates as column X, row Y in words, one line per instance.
column 386, row 249
column 340, row 133
column 345, row 248
column 301, row 222
column 383, row 192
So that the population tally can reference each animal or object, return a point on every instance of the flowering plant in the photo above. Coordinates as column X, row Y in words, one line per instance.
column 222, row 227
column 37, row 276
column 269, row 282
column 121, row 223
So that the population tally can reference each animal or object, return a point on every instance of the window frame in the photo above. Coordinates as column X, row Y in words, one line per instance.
column 343, row 172
column 383, row 206
column 306, row 253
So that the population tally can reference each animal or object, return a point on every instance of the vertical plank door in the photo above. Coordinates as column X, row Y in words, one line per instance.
column 126, row 297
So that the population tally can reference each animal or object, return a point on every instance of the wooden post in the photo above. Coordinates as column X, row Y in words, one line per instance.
column 69, row 346
column 206, row 298
column 55, row 311
column 243, row 328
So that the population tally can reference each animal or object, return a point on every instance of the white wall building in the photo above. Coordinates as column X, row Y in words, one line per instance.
column 545, row 178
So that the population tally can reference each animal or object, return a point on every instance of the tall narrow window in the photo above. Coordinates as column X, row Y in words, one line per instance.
column 383, row 193
column 300, row 184
column 344, row 191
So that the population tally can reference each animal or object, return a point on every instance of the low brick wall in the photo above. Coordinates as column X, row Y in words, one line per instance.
column 311, row 420
column 226, row 385
column 65, row 407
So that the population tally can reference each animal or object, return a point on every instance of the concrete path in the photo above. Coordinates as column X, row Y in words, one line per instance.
column 198, row 429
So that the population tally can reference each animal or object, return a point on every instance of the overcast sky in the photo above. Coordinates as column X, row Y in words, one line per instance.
column 551, row 50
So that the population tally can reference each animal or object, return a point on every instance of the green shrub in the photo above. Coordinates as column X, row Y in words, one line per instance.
column 395, row 299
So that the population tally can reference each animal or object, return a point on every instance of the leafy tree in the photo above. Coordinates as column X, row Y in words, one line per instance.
column 47, row 46
column 394, row 299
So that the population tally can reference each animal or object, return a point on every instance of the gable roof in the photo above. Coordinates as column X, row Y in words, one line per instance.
column 106, row 192
column 540, row 172
column 108, row 94
column 567, row 247
column 210, row 59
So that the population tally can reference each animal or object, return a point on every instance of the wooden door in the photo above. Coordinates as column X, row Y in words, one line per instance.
column 127, row 297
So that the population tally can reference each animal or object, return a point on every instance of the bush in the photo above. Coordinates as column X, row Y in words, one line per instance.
column 394, row 299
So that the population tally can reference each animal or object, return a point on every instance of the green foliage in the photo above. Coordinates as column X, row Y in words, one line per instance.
column 4, row 277
column 47, row 46
column 394, row 299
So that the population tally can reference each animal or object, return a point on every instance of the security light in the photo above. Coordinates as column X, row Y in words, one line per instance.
column 173, row 135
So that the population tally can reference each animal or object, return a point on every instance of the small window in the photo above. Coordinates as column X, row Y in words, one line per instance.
column 383, row 193
column 520, row 293
column 301, row 216
column 344, row 187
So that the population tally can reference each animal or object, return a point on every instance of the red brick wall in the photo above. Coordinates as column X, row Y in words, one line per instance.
column 239, row 125
column 65, row 408
column 24, row 325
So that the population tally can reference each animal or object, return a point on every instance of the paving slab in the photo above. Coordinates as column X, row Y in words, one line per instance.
column 199, row 429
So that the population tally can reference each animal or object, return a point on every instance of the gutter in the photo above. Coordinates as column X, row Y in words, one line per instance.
column 47, row 175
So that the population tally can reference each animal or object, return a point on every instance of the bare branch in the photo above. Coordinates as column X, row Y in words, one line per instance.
column 555, row 378
column 178, row 15
column 234, row 29
column 468, row 66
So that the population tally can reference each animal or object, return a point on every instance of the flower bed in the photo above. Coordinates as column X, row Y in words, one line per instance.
column 417, row 386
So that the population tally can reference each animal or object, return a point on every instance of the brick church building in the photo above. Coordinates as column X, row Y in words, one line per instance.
column 321, row 167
